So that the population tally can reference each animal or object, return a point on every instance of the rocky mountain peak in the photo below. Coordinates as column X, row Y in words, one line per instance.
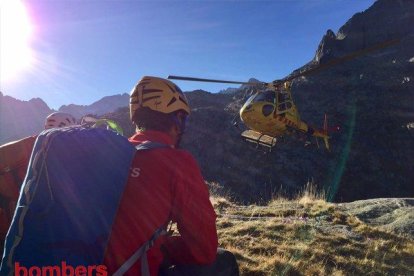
column 254, row 80
column 39, row 104
column 384, row 21
column 326, row 46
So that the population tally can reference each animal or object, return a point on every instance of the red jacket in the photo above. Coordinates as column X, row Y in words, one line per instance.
column 164, row 184
column 14, row 159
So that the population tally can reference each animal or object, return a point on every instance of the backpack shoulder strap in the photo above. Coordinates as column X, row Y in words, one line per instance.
column 141, row 253
column 147, row 145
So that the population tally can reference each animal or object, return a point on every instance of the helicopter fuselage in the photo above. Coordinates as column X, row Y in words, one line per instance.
column 272, row 113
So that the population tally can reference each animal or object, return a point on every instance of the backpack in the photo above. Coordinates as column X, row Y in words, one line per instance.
column 14, row 159
column 69, row 200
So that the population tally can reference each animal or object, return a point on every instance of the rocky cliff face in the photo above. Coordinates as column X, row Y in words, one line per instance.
column 384, row 21
column 371, row 99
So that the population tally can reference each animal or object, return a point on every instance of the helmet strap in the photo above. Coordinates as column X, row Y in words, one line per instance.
column 180, row 120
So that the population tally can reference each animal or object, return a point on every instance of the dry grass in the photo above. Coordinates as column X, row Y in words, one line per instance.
column 308, row 236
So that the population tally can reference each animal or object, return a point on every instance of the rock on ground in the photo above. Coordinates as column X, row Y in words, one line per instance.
column 392, row 214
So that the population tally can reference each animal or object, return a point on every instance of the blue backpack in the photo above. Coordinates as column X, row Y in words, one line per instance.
column 69, row 199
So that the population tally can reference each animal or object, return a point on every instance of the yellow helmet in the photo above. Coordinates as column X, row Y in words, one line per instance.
column 159, row 95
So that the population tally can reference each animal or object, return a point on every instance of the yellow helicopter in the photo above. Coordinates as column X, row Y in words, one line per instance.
column 271, row 112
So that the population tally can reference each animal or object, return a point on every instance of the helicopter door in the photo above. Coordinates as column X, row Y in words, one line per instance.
column 284, row 103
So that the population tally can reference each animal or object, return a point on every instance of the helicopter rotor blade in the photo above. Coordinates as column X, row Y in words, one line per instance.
column 340, row 60
column 211, row 80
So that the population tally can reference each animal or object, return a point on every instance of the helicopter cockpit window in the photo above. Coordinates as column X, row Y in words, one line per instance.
column 267, row 96
column 284, row 106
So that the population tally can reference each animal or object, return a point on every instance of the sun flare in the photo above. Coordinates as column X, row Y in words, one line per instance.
column 15, row 34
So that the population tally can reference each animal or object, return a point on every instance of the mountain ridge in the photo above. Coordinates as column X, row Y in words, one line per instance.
column 104, row 105
column 19, row 118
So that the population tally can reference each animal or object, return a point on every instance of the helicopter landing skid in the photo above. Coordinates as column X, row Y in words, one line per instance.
column 259, row 138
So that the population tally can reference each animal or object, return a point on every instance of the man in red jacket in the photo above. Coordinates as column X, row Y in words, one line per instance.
column 165, row 185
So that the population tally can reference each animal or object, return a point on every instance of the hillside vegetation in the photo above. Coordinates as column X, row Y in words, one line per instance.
column 309, row 236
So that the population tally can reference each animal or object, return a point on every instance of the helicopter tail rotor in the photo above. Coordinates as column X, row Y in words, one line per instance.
column 320, row 133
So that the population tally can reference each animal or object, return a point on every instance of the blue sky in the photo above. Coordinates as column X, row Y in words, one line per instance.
column 85, row 50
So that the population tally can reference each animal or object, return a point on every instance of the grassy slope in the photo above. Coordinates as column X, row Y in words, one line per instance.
column 308, row 236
